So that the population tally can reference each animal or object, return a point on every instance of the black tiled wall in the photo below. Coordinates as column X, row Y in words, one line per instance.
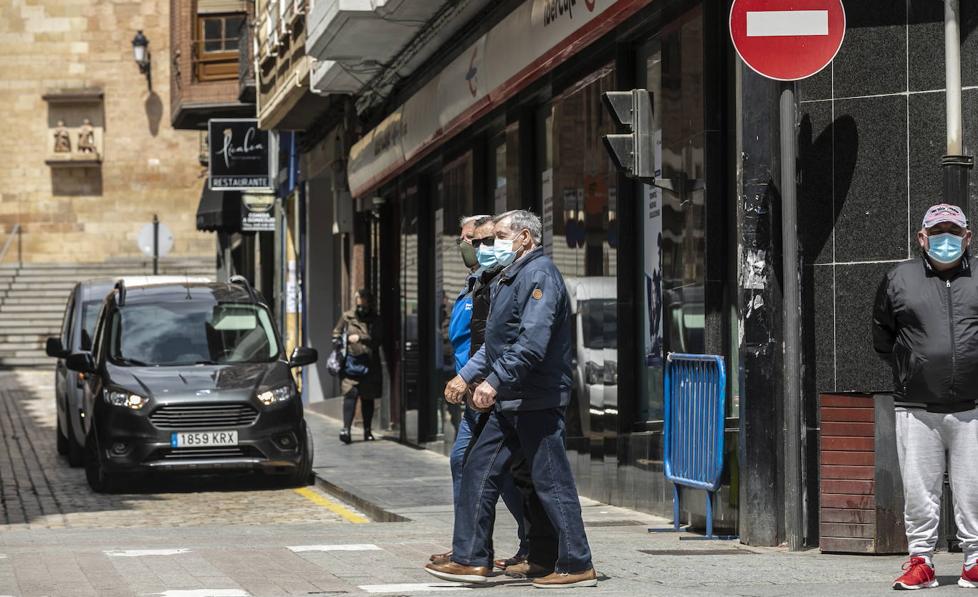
column 871, row 139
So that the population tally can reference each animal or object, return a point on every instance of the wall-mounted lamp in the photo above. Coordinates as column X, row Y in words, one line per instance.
column 140, row 53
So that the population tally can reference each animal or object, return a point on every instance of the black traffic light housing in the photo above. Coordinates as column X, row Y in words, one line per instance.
column 633, row 152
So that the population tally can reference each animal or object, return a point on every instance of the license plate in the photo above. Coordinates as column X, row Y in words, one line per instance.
column 196, row 439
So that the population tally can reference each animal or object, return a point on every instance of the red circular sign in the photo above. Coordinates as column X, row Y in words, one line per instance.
column 787, row 40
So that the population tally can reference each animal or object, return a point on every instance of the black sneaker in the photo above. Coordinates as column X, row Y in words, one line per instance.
column 345, row 436
column 368, row 436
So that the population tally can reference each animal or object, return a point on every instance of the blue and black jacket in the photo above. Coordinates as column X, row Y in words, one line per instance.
column 527, row 352
column 459, row 324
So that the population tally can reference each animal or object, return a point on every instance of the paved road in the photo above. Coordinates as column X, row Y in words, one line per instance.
column 39, row 490
column 213, row 539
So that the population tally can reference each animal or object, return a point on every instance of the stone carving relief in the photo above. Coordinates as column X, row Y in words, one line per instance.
column 76, row 127
column 62, row 140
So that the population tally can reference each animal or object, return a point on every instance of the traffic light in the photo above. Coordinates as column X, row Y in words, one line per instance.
column 632, row 153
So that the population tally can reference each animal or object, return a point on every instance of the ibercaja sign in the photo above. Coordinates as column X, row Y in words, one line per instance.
column 239, row 155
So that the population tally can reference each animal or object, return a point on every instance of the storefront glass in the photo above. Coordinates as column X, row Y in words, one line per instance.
column 410, row 352
column 454, row 200
column 579, row 212
column 504, row 156
column 673, row 212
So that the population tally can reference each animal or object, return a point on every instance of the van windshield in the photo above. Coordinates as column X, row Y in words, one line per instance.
column 599, row 323
column 191, row 333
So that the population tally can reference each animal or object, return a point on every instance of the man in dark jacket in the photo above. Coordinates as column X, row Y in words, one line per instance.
column 526, row 365
column 925, row 324
column 466, row 332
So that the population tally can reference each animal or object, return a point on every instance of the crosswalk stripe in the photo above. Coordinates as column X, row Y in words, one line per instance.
column 202, row 593
column 413, row 587
column 139, row 553
column 350, row 547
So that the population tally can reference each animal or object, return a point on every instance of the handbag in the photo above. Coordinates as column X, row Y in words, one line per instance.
column 334, row 365
column 356, row 366
column 347, row 365
column 337, row 357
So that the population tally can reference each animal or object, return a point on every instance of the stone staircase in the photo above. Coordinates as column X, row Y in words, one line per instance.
column 33, row 297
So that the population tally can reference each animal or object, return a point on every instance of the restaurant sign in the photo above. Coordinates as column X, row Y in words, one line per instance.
column 239, row 155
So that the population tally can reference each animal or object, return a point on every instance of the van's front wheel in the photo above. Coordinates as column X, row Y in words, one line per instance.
column 303, row 473
column 100, row 480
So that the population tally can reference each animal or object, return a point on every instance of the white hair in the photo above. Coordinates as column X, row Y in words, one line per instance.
column 478, row 220
column 521, row 219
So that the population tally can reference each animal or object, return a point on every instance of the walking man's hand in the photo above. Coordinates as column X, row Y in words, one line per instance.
column 455, row 390
column 484, row 396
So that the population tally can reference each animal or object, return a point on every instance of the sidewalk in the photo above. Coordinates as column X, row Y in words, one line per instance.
column 393, row 482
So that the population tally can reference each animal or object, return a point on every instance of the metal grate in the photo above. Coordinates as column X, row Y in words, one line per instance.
column 207, row 452
column 203, row 416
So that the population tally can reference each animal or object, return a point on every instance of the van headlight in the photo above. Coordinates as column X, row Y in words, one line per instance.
column 125, row 399
column 275, row 395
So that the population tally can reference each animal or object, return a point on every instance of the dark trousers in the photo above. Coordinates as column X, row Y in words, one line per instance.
column 514, row 496
column 537, row 436
column 350, row 408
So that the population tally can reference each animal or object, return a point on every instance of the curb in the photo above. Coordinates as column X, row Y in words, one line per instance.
column 372, row 510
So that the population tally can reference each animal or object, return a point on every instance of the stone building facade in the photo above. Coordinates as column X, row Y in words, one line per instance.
column 64, row 61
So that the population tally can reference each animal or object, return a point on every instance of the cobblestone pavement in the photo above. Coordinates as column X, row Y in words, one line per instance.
column 39, row 490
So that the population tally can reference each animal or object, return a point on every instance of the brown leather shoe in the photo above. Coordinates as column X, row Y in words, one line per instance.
column 566, row 580
column 527, row 570
column 504, row 564
column 456, row 572
column 441, row 558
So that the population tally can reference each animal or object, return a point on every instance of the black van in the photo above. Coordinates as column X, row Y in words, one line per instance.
column 191, row 377
column 77, row 328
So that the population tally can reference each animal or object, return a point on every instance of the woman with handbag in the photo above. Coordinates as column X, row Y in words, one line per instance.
column 361, row 374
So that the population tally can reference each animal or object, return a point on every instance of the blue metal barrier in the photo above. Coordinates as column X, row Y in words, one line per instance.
column 695, row 408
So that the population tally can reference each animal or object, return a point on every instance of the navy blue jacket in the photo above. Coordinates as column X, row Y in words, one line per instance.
column 527, row 352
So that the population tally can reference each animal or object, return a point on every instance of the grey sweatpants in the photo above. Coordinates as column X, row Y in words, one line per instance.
column 922, row 439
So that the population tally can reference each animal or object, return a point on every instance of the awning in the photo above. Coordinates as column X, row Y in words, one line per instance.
column 527, row 43
column 219, row 211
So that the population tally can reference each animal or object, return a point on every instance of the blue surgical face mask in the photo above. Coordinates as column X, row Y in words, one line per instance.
column 945, row 248
column 487, row 256
column 503, row 250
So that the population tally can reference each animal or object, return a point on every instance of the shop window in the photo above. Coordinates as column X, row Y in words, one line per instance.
column 504, row 156
column 216, row 47
column 674, row 257
column 453, row 201
column 579, row 212
column 410, row 348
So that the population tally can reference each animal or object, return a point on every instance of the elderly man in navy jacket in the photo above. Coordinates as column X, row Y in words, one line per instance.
column 523, row 371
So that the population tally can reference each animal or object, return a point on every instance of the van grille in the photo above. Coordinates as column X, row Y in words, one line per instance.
column 196, row 453
column 203, row 416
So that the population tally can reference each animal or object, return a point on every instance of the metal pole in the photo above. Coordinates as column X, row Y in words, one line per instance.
column 952, row 69
column 954, row 164
column 793, row 489
column 156, row 245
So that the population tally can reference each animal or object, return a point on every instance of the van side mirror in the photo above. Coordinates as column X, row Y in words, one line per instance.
column 82, row 362
column 55, row 348
column 303, row 356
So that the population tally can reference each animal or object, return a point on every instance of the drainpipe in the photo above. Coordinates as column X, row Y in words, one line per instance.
column 954, row 164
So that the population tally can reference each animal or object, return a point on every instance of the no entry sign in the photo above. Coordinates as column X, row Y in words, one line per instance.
column 787, row 40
